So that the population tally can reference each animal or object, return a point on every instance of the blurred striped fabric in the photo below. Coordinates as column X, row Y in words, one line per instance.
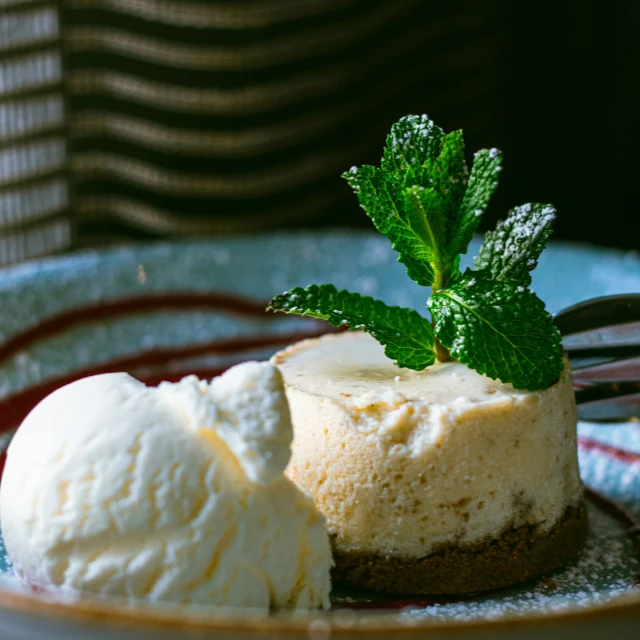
column 162, row 117
column 34, row 185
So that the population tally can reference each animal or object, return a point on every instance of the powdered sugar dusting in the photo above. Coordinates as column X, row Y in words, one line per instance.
column 518, row 240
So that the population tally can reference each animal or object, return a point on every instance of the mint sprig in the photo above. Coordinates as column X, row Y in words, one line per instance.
column 424, row 199
column 406, row 335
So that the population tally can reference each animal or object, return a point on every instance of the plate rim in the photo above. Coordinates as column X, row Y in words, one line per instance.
column 153, row 618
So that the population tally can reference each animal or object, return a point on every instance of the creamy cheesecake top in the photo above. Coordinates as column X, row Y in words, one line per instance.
column 351, row 366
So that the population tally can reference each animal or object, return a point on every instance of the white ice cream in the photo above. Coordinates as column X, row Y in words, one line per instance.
column 175, row 493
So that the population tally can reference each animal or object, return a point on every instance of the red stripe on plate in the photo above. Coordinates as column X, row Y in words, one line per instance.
column 101, row 311
column 15, row 408
column 630, row 457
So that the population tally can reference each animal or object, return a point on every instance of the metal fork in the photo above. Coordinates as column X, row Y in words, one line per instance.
column 601, row 337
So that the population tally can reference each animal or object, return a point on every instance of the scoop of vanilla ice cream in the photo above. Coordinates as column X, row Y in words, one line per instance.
column 173, row 493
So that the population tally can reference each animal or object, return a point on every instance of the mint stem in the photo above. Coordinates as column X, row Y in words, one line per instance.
column 442, row 353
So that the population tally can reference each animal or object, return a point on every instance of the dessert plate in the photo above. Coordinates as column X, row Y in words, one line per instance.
column 163, row 311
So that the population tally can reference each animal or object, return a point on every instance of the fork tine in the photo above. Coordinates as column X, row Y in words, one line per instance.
column 616, row 328
column 604, row 352
column 617, row 371
column 599, row 312
column 608, row 409
column 604, row 391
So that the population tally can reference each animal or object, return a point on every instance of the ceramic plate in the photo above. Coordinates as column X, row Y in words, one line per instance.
column 163, row 311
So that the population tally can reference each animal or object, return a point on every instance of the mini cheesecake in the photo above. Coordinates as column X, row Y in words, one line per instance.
column 439, row 481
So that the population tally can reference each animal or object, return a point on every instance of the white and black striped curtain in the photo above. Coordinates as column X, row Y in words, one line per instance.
column 162, row 117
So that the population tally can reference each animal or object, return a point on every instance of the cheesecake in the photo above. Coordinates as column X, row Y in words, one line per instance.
column 435, row 481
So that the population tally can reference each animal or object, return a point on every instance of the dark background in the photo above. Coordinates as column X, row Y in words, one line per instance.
column 564, row 106
column 572, row 131
column 553, row 84
column 198, row 118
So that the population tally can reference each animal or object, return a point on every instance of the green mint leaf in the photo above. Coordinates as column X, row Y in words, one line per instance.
column 513, row 249
column 482, row 183
column 379, row 195
column 419, row 187
column 412, row 141
column 500, row 329
column 449, row 176
column 424, row 216
column 454, row 271
column 382, row 197
column 448, row 173
column 405, row 334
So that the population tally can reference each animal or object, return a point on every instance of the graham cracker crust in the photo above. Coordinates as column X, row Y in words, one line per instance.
column 516, row 556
